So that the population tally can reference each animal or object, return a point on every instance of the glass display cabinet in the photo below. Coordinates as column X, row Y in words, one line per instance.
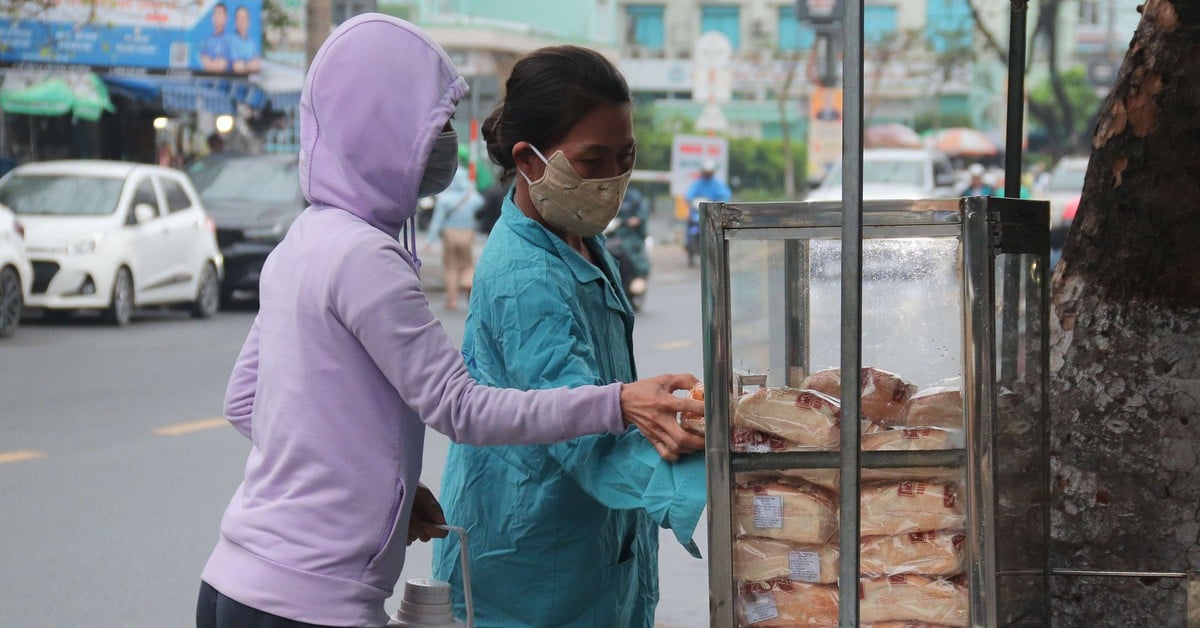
column 952, row 459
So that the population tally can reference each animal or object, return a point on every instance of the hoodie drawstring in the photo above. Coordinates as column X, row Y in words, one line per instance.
column 408, row 239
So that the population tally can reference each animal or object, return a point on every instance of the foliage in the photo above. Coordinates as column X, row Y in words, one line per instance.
column 755, row 166
column 274, row 20
column 1081, row 97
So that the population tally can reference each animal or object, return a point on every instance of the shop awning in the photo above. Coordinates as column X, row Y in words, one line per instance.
column 276, row 86
column 54, row 93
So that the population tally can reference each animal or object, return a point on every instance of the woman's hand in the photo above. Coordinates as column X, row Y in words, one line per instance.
column 651, row 405
column 426, row 514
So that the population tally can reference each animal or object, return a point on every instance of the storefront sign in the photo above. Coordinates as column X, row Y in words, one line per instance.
column 206, row 36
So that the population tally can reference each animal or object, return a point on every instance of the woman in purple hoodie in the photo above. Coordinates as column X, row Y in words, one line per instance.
column 345, row 364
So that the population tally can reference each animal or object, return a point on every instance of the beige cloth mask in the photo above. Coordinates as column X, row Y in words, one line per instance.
column 570, row 203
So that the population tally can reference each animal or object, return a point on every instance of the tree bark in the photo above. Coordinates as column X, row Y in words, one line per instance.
column 1125, row 333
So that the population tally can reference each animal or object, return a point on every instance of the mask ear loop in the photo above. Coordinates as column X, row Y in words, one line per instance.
column 540, row 156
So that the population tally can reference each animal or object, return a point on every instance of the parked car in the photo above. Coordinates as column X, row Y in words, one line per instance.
column 895, row 173
column 110, row 236
column 15, row 272
column 1065, row 187
column 253, row 200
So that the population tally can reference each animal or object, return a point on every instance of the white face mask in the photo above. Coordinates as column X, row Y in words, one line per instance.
column 570, row 203
column 442, row 164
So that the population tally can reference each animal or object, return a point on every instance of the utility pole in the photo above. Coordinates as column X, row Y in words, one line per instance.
column 317, row 25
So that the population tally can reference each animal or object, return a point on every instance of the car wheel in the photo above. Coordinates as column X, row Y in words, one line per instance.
column 120, row 307
column 208, row 294
column 12, row 301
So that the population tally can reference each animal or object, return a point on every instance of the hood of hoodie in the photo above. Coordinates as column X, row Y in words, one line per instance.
column 376, row 97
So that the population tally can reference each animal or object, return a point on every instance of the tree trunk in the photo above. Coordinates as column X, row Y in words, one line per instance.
column 1125, row 332
column 318, row 17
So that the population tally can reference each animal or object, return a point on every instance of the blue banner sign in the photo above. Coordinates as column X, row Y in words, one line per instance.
column 206, row 36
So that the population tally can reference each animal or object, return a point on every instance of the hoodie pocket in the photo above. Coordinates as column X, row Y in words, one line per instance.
column 385, row 546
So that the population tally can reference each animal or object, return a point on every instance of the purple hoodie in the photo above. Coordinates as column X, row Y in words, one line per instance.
column 345, row 364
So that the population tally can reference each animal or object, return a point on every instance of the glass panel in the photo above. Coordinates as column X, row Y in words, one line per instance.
column 912, row 351
column 646, row 25
column 177, row 199
column 723, row 19
column 65, row 195
column 794, row 34
column 144, row 194
column 1020, row 442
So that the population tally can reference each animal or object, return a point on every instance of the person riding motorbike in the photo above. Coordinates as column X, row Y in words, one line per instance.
column 627, row 235
column 707, row 188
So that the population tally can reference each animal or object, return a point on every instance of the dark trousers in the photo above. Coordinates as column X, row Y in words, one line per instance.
column 214, row 610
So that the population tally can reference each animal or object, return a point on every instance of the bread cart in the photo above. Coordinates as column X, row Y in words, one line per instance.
column 942, row 517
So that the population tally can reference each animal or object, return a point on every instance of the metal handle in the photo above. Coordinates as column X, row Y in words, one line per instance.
column 466, row 567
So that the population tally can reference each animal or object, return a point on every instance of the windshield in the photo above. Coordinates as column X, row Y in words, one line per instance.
column 61, row 194
column 248, row 180
column 885, row 172
column 1068, row 178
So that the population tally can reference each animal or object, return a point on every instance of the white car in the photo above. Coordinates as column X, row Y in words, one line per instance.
column 895, row 173
column 1064, row 187
column 109, row 235
column 15, row 272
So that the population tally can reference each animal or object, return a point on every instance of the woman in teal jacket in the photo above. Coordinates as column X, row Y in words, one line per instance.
column 562, row 535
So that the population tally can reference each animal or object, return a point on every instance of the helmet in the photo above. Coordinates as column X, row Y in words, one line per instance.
column 708, row 166
column 976, row 170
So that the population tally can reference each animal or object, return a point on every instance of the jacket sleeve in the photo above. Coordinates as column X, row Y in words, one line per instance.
column 376, row 294
column 620, row 471
column 243, row 383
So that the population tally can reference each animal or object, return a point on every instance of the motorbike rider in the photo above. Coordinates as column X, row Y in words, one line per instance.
column 627, row 243
column 706, row 188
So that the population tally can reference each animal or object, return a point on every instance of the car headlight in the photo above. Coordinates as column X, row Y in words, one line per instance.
column 274, row 233
column 83, row 247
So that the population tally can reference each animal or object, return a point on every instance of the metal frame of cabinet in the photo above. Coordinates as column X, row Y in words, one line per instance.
column 1002, row 273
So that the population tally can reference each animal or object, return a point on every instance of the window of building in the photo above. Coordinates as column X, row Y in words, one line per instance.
column 1089, row 12
column 645, row 25
column 793, row 35
column 723, row 19
column 948, row 24
column 879, row 22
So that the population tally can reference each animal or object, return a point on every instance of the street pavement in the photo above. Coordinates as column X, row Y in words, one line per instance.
column 115, row 465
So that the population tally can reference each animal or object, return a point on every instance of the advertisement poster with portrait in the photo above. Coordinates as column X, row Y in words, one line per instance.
column 203, row 37
column 824, row 130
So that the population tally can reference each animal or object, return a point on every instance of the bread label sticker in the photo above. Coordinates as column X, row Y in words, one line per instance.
column 768, row 511
column 760, row 607
column 804, row 566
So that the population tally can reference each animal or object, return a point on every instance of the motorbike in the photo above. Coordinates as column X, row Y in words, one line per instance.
column 628, row 246
column 691, row 240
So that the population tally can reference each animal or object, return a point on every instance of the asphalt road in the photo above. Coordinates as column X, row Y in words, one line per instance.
column 115, row 465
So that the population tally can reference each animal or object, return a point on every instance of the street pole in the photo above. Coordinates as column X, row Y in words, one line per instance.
column 317, row 25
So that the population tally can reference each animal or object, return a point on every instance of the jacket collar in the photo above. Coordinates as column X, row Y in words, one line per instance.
column 582, row 270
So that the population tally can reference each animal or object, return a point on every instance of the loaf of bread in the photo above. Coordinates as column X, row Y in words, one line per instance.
column 889, row 508
column 759, row 559
column 804, row 417
column 795, row 512
column 938, row 553
column 830, row 479
column 940, row 405
column 781, row 603
column 912, row 439
column 690, row 421
column 913, row 598
column 884, row 394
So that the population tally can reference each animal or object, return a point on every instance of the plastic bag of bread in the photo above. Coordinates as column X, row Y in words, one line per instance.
column 884, row 394
column 804, row 417
column 912, row 439
column 904, row 624
column 759, row 559
column 755, row 441
column 888, row 508
column 913, row 598
column 940, row 405
column 690, row 421
column 779, row 603
column 796, row 512
column 938, row 553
